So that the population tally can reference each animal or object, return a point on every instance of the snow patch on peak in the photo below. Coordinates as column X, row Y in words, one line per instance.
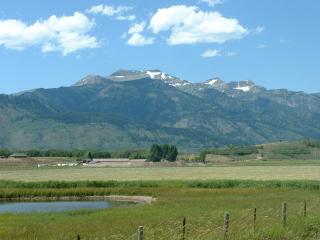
column 243, row 88
column 154, row 74
column 166, row 78
column 212, row 82
column 179, row 84
column 157, row 74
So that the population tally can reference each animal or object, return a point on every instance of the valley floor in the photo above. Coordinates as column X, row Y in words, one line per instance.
column 291, row 172
column 201, row 194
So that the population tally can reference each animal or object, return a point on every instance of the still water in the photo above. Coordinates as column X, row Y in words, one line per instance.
column 52, row 206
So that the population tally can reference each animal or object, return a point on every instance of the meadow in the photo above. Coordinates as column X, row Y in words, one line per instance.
column 201, row 194
column 283, row 172
column 203, row 208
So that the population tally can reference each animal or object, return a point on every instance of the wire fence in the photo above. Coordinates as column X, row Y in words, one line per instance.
column 251, row 224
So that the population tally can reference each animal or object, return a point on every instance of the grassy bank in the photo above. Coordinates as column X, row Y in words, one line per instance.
column 203, row 208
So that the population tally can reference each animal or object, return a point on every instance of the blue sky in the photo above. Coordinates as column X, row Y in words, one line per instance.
column 55, row 43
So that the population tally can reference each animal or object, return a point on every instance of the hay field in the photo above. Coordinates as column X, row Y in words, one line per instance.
column 298, row 172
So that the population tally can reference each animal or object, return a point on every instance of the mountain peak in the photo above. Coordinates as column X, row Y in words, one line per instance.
column 244, row 86
column 214, row 81
column 167, row 78
column 124, row 72
column 156, row 74
column 90, row 79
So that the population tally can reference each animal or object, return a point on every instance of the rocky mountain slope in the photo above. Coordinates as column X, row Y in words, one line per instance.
column 133, row 109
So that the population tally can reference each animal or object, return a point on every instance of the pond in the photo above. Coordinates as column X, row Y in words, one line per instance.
column 55, row 206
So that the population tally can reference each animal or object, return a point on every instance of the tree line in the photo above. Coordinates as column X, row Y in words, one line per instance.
column 79, row 154
column 155, row 154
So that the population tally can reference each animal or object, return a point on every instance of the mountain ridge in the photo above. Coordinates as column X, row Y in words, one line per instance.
column 137, row 108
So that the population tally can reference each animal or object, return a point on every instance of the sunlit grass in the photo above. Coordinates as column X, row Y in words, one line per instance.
column 302, row 172
column 203, row 208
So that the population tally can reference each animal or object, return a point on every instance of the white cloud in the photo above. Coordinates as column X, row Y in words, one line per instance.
column 283, row 40
column 231, row 54
column 189, row 25
column 211, row 53
column 113, row 11
column 124, row 35
column 137, row 28
column 259, row 29
column 127, row 18
column 66, row 34
column 212, row 3
column 262, row 46
column 136, row 38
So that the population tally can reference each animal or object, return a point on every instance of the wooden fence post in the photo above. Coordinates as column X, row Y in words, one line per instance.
column 184, row 221
column 254, row 219
column 284, row 214
column 305, row 209
column 226, row 224
column 140, row 233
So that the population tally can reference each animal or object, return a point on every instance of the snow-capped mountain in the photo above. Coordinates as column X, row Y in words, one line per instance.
column 130, row 75
column 167, row 78
column 216, row 83
column 139, row 108
column 90, row 79
column 127, row 75
column 232, row 88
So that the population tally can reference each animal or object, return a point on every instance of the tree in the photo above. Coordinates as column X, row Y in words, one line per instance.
column 172, row 153
column 167, row 152
column 155, row 153
column 90, row 157
column 5, row 153
column 33, row 153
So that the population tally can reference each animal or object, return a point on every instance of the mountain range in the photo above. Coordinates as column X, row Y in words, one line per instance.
column 134, row 109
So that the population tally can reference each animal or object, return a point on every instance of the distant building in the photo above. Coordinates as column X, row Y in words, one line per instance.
column 18, row 155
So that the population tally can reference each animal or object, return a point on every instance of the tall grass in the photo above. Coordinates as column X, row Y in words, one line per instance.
column 203, row 208
column 290, row 184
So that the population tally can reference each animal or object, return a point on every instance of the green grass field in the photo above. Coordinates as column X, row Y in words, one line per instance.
column 299, row 172
column 203, row 208
column 201, row 194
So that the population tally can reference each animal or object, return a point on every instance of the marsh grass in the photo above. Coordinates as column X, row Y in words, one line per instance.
column 291, row 184
column 204, row 208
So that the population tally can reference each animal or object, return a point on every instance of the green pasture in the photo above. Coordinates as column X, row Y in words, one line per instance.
column 274, row 172
column 203, row 208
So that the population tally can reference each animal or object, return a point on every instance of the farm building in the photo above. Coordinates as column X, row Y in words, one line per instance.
column 18, row 155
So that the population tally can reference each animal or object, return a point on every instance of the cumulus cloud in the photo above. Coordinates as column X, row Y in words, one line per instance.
column 262, row 46
column 231, row 54
column 211, row 53
column 139, row 40
column 66, row 34
column 212, row 3
column 259, row 29
column 113, row 11
column 136, row 37
column 189, row 25
column 137, row 28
